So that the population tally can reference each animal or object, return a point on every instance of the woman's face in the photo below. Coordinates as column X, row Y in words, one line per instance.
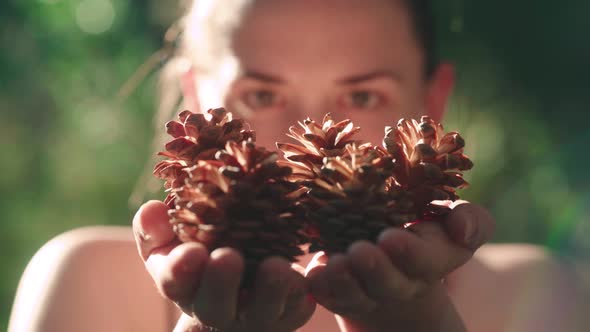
column 357, row 59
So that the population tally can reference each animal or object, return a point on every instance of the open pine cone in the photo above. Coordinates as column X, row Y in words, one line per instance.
column 317, row 142
column 240, row 200
column 347, row 185
column 354, row 192
column 429, row 163
column 350, row 200
column 196, row 137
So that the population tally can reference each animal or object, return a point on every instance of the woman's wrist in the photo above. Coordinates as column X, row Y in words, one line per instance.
column 433, row 311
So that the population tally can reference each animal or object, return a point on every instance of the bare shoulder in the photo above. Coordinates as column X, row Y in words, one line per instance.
column 89, row 274
column 524, row 288
column 510, row 256
column 85, row 250
column 95, row 234
column 77, row 242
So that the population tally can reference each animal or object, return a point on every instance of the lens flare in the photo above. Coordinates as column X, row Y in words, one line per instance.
column 95, row 16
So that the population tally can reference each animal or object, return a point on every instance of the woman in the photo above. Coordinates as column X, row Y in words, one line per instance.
column 276, row 62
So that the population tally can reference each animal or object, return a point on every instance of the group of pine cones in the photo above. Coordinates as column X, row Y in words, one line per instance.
column 329, row 190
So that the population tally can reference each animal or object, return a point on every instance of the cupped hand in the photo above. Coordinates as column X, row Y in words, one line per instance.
column 398, row 278
column 206, row 286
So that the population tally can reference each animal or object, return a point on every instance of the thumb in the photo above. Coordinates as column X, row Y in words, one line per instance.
column 151, row 228
column 469, row 225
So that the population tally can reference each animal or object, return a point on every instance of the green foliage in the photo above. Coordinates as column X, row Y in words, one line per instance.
column 72, row 151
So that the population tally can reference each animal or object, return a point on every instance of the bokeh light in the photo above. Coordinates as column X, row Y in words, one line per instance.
column 95, row 16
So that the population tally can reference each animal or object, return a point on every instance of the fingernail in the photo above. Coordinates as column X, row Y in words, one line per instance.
column 143, row 235
column 472, row 238
column 469, row 233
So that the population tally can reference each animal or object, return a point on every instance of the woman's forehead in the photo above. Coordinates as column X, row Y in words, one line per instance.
column 305, row 35
column 331, row 22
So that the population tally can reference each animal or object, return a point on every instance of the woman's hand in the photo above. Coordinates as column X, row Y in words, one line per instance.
column 206, row 286
column 396, row 283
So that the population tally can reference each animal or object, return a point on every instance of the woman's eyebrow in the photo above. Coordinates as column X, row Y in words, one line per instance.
column 360, row 78
column 266, row 78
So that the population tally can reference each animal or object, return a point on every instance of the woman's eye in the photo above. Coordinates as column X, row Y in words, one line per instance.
column 261, row 99
column 362, row 100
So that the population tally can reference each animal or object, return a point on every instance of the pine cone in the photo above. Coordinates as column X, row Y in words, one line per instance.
column 351, row 201
column 240, row 200
column 428, row 162
column 355, row 192
column 196, row 137
column 348, row 196
column 317, row 141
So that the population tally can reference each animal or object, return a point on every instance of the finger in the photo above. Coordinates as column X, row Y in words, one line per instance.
column 181, row 272
column 425, row 254
column 154, row 238
column 335, row 288
column 378, row 277
column 469, row 225
column 274, row 278
column 151, row 228
column 215, row 303
column 299, row 308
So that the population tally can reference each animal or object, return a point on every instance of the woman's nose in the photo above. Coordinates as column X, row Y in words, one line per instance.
column 312, row 107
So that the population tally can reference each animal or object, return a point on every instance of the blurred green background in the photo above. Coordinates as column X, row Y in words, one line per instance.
column 71, row 151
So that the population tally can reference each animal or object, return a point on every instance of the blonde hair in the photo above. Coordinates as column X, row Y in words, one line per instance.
column 202, row 52
column 195, row 45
